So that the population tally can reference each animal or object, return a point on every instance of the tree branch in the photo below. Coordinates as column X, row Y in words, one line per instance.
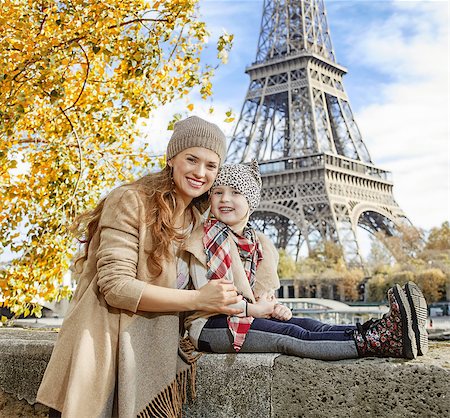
column 128, row 22
column 140, row 20
column 85, row 79
column 42, row 25
column 80, row 156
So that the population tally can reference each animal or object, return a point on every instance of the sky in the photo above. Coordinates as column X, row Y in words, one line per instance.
column 397, row 57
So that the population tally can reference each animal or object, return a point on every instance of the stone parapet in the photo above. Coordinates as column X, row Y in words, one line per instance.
column 261, row 385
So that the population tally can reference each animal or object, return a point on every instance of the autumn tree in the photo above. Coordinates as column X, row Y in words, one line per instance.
column 379, row 256
column 328, row 255
column 436, row 253
column 349, row 282
column 286, row 265
column 422, row 258
column 439, row 238
column 325, row 268
column 377, row 286
column 405, row 244
column 432, row 282
column 76, row 78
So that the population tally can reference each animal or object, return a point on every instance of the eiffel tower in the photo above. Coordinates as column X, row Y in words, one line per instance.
column 319, row 181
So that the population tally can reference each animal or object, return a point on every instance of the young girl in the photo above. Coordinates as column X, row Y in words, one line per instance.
column 118, row 353
column 227, row 247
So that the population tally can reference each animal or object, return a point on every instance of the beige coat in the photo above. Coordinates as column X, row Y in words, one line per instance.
column 110, row 359
column 266, row 274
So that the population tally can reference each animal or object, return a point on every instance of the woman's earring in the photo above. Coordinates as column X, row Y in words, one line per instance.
column 171, row 176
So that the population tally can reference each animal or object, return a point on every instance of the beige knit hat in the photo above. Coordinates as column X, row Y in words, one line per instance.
column 246, row 179
column 196, row 132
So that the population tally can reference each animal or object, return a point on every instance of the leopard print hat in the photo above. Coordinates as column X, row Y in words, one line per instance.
column 246, row 179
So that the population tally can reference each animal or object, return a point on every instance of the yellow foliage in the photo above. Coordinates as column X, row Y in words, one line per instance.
column 432, row 282
column 287, row 267
column 350, row 281
column 378, row 286
column 75, row 77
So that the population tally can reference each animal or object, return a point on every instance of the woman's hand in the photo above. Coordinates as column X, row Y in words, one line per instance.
column 281, row 312
column 216, row 295
column 263, row 308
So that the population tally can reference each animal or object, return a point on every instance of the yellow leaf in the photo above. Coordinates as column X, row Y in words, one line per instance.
column 71, row 130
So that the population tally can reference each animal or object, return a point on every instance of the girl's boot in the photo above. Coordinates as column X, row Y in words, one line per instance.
column 419, row 313
column 392, row 335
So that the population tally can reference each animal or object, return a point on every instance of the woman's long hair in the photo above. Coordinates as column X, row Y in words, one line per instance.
column 159, row 201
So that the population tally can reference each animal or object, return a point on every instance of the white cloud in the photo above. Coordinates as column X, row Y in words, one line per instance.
column 408, row 132
column 412, row 121
column 414, row 37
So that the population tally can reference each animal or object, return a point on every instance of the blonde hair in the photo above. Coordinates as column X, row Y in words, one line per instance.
column 159, row 196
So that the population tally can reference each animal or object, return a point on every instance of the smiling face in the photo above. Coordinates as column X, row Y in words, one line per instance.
column 194, row 171
column 230, row 207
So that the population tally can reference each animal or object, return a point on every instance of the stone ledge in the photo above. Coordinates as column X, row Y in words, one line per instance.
column 261, row 385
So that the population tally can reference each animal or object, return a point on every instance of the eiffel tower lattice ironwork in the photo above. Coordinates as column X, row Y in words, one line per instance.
column 319, row 182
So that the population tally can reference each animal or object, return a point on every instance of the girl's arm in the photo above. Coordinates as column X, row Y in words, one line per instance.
column 267, row 306
column 263, row 308
column 281, row 312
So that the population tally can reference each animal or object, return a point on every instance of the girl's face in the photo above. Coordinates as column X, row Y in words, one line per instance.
column 194, row 171
column 230, row 207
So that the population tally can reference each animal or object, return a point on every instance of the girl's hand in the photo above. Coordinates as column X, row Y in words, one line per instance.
column 281, row 312
column 215, row 297
column 263, row 308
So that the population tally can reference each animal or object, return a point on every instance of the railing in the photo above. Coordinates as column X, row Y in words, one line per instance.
column 322, row 161
column 332, row 312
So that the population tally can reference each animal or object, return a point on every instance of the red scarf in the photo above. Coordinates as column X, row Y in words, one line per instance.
column 218, row 262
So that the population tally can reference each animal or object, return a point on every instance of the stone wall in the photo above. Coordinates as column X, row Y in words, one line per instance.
column 261, row 385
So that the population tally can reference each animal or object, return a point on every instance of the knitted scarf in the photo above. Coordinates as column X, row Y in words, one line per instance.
column 218, row 262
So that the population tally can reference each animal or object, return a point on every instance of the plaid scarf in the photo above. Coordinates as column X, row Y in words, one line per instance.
column 218, row 262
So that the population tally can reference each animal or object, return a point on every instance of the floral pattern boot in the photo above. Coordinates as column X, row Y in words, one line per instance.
column 419, row 313
column 392, row 335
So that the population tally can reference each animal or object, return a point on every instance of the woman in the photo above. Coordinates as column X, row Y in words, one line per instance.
column 117, row 353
